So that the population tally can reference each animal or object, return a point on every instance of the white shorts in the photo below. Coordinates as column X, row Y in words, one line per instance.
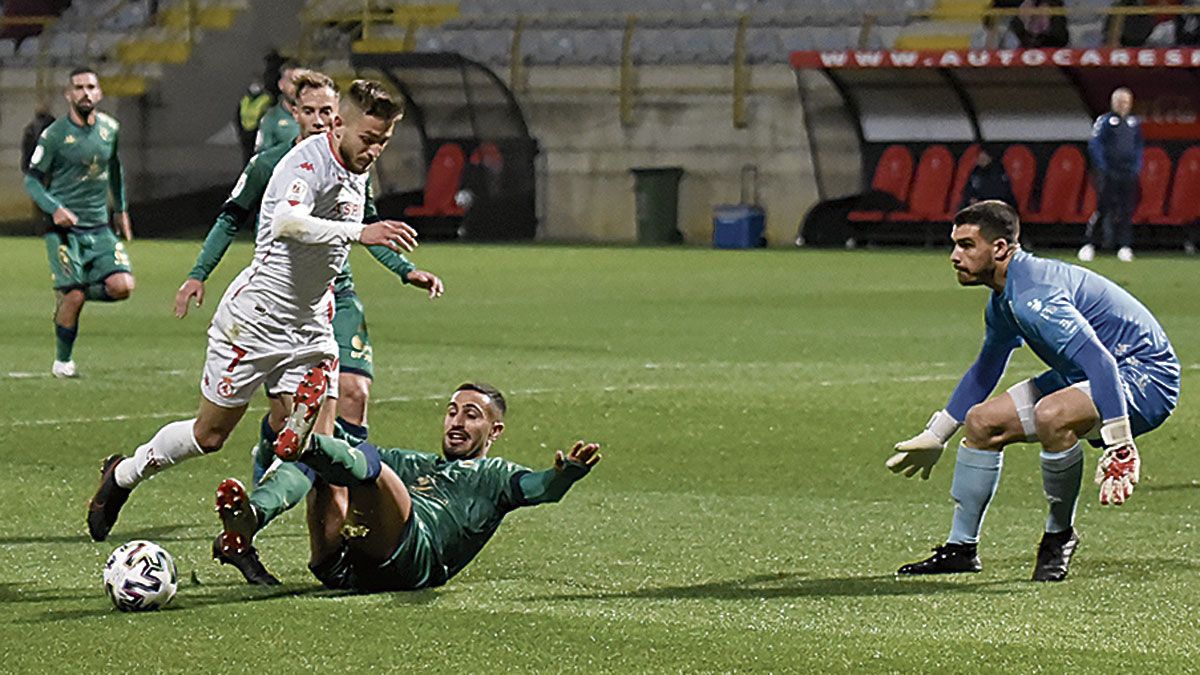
column 244, row 355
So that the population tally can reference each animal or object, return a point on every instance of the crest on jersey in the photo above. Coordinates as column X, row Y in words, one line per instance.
column 296, row 192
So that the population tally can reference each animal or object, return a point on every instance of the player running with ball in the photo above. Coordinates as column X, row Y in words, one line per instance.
column 274, row 323
column 1113, row 376
column 316, row 105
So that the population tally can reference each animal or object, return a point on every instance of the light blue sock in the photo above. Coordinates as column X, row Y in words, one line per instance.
column 976, row 475
column 1062, row 475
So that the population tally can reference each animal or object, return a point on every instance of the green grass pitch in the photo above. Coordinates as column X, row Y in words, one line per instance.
column 742, row 518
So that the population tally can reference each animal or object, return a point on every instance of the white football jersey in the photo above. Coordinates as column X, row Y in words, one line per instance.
column 289, row 282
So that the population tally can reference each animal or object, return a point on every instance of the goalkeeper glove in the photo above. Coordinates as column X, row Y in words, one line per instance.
column 1120, row 467
column 922, row 451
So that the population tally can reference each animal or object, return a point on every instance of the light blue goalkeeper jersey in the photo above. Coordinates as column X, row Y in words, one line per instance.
column 1084, row 327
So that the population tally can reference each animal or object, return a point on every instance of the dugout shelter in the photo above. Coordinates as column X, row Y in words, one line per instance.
column 922, row 116
column 481, row 177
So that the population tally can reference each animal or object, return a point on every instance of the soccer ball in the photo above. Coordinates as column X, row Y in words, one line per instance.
column 140, row 576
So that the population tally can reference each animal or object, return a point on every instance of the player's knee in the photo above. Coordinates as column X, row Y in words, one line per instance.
column 1048, row 416
column 981, row 428
column 119, row 286
column 73, row 298
column 353, row 392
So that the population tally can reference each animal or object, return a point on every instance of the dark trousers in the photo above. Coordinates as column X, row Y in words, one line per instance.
column 1112, row 224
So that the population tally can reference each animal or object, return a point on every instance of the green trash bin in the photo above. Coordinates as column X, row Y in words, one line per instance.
column 656, row 193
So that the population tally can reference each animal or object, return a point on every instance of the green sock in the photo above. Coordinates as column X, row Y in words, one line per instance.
column 64, row 342
column 341, row 464
column 279, row 491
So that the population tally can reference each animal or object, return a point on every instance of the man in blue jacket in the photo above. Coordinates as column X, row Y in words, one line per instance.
column 1115, row 149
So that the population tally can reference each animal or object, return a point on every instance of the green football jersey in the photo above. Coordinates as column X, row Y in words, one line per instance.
column 277, row 127
column 78, row 167
column 461, row 502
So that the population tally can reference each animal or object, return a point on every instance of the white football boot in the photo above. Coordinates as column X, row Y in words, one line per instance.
column 63, row 369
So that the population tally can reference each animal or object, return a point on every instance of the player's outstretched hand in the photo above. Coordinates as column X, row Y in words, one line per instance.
column 428, row 281
column 393, row 234
column 1118, row 471
column 192, row 288
column 583, row 455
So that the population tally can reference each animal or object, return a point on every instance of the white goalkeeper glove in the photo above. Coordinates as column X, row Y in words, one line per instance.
column 922, row 451
column 1120, row 467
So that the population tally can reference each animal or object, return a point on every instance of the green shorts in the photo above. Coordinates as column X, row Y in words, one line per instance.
column 350, row 331
column 82, row 257
column 412, row 567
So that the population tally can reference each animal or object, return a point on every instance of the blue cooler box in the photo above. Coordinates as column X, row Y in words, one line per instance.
column 738, row 226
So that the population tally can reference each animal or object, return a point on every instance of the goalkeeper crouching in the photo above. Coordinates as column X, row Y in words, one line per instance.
column 389, row 519
column 1113, row 376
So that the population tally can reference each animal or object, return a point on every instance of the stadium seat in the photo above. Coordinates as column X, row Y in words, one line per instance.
column 1154, row 181
column 1021, row 166
column 927, row 201
column 1061, row 186
column 445, row 175
column 1184, row 208
column 893, row 175
column 966, row 163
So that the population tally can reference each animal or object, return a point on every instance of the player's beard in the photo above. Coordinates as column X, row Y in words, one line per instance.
column 84, row 109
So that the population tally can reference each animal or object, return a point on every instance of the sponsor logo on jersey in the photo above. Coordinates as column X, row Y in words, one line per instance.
column 350, row 209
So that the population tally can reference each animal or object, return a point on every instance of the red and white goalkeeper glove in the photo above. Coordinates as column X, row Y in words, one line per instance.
column 921, row 452
column 1120, row 467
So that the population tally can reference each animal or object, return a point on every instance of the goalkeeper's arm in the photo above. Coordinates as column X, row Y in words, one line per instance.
column 921, row 452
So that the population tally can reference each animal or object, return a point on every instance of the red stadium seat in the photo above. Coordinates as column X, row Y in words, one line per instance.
column 1021, row 166
column 1087, row 206
column 966, row 164
column 927, row 201
column 893, row 174
column 1060, row 186
column 445, row 176
column 1154, row 181
column 1184, row 206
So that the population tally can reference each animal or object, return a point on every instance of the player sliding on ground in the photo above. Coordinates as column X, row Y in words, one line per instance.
column 275, row 321
column 394, row 519
column 316, row 104
column 1113, row 376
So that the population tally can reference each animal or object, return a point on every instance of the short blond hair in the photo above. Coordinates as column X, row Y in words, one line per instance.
column 370, row 98
column 312, row 79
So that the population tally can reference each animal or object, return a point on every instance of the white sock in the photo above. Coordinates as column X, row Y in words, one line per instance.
column 170, row 446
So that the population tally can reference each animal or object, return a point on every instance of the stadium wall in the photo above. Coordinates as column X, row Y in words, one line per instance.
column 683, row 117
